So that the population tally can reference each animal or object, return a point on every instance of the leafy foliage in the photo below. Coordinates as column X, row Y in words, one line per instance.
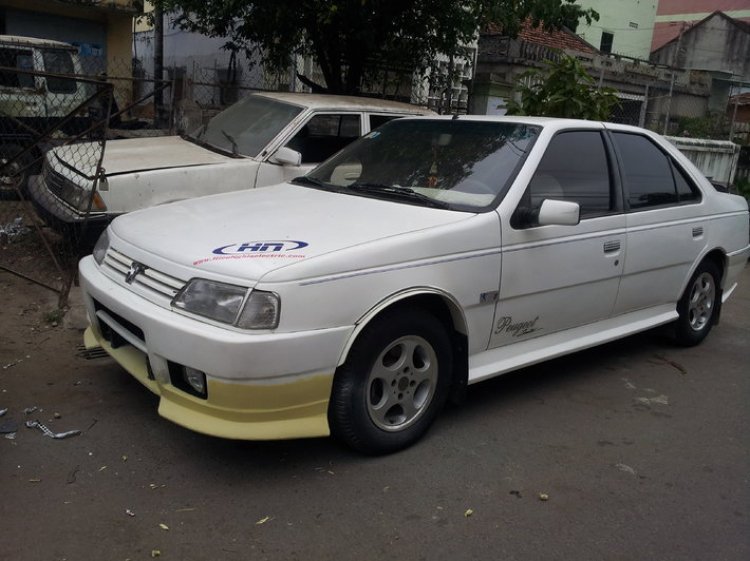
column 356, row 41
column 566, row 91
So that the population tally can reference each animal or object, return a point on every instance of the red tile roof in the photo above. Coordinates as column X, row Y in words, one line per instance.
column 561, row 39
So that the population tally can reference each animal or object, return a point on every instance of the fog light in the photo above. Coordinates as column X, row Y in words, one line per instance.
column 195, row 379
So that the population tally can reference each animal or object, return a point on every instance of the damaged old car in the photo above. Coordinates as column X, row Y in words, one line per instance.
column 262, row 140
column 431, row 254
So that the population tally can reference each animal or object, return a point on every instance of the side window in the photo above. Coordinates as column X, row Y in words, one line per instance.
column 324, row 135
column 574, row 168
column 686, row 190
column 379, row 120
column 16, row 58
column 651, row 178
column 59, row 62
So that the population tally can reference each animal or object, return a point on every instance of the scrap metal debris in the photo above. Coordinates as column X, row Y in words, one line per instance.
column 9, row 365
column 658, row 400
column 3, row 411
column 29, row 410
column 13, row 229
column 129, row 512
column 626, row 469
column 263, row 520
column 468, row 513
column 47, row 432
column 164, row 527
column 543, row 497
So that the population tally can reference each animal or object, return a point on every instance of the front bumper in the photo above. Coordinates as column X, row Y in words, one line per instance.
column 259, row 386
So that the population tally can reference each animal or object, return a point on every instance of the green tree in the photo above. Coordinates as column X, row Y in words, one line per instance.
column 354, row 42
column 567, row 90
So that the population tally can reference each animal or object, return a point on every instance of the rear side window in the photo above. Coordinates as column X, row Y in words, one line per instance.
column 652, row 179
column 16, row 58
column 574, row 168
column 379, row 120
column 324, row 135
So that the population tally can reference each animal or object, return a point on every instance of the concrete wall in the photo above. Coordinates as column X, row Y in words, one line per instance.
column 716, row 44
column 630, row 21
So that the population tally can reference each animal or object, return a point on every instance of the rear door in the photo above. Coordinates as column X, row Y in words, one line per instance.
column 666, row 227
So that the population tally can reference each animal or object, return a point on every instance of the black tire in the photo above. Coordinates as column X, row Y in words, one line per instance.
column 699, row 305
column 393, row 384
column 13, row 179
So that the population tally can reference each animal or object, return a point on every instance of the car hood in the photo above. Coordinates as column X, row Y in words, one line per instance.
column 246, row 234
column 134, row 155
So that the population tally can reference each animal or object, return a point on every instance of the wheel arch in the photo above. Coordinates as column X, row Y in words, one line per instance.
column 443, row 306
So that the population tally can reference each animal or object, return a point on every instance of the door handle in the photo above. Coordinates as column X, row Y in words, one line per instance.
column 611, row 246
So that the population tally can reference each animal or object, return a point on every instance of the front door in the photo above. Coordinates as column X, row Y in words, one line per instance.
column 559, row 277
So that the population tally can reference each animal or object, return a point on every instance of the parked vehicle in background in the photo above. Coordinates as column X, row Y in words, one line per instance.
column 262, row 140
column 31, row 104
column 431, row 254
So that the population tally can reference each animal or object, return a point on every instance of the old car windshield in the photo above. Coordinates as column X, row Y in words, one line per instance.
column 246, row 127
column 461, row 164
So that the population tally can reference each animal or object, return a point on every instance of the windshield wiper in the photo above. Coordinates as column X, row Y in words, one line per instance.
column 397, row 192
column 307, row 180
column 235, row 151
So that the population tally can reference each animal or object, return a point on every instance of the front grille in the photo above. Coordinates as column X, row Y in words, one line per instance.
column 54, row 180
column 152, row 280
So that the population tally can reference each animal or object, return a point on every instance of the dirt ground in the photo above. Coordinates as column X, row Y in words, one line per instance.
column 640, row 447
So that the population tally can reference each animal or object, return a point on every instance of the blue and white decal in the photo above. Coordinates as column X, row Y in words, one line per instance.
column 265, row 246
column 256, row 249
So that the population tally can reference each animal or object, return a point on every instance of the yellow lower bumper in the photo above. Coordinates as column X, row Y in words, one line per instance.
column 246, row 411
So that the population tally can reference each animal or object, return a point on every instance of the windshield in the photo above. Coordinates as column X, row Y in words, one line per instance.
column 460, row 164
column 248, row 126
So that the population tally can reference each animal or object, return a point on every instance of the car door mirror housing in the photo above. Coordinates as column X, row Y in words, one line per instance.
column 559, row 213
column 286, row 157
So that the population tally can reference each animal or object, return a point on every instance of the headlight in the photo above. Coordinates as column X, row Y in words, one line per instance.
column 229, row 304
column 261, row 311
column 101, row 248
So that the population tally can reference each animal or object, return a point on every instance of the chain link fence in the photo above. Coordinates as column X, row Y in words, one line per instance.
column 55, row 121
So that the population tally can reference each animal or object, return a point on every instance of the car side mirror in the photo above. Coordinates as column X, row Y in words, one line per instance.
column 559, row 213
column 286, row 157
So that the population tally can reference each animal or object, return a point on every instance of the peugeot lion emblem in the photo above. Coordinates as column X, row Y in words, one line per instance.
column 135, row 270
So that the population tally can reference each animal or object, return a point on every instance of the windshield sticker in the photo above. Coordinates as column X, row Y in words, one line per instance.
column 257, row 249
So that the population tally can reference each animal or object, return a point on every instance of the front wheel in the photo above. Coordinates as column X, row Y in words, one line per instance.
column 393, row 384
column 14, row 172
column 699, row 305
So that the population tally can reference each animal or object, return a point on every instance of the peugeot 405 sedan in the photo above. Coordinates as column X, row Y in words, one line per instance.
column 431, row 254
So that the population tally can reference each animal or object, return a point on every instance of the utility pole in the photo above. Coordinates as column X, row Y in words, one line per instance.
column 674, row 69
column 158, row 66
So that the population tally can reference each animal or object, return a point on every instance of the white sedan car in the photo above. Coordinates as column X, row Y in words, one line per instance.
column 431, row 254
column 262, row 140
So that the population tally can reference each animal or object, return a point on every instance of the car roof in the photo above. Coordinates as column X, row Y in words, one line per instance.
column 19, row 41
column 338, row 102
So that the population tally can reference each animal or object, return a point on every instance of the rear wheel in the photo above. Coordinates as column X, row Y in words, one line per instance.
column 699, row 305
column 393, row 384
